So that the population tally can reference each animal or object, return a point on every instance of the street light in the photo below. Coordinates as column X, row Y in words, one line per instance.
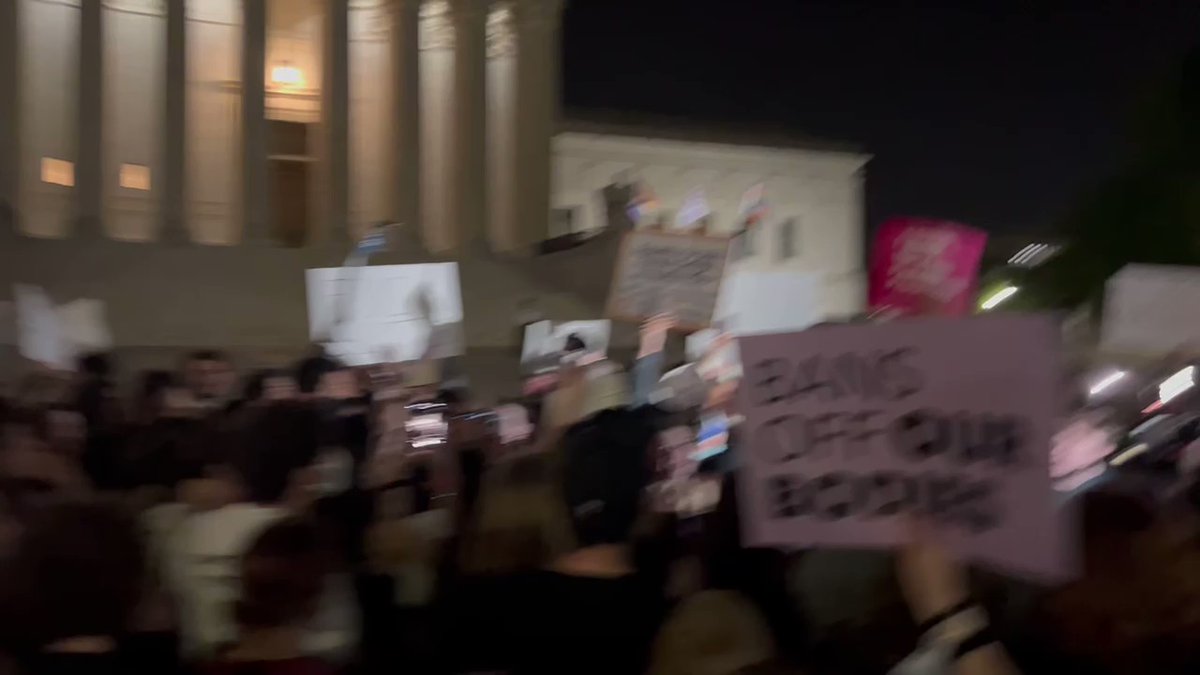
column 998, row 297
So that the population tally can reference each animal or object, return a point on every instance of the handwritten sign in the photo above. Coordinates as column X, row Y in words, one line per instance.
column 662, row 272
column 921, row 266
column 847, row 427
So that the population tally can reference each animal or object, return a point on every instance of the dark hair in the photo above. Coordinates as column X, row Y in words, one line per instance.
column 277, row 440
column 207, row 355
column 283, row 572
column 77, row 571
column 606, row 467
column 96, row 364
column 310, row 371
column 574, row 343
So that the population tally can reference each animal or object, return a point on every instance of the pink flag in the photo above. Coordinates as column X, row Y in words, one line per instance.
column 922, row 266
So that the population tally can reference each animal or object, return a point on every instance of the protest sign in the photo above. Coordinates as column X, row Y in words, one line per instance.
column 693, row 211
column 754, row 302
column 56, row 335
column 921, row 266
column 660, row 272
column 368, row 315
column 40, row 335
column 546, row 341
column 849, row 426
column 1142, row 310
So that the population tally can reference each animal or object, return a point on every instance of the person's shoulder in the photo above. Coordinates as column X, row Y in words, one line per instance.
column 230, row 526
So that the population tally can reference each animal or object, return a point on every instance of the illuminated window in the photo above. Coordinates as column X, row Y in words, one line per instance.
column 135, row 177
column 58, row 172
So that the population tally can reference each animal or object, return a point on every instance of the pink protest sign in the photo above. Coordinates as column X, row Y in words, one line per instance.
column 921, row 266
column 848, row 427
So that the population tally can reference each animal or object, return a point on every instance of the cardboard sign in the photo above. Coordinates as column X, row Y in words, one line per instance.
column 849, row 426
column 921, row 266
column 661, row 272
column 1144, row 310
column 368, row 315
column 545, row 341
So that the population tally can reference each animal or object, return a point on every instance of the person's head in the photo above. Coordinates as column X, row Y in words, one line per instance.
column 151, row 398
column 95, row 365
column 712, row 633
column 77, row 571
column 209, row 375
column 269, row 385
column 520, row 524
column 606, row 466
column 282, row 575
column 278, row 442
column 311, row 371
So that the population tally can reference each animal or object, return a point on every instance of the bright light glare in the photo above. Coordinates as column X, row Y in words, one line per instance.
column 998, row 297
column 1107, row 382
column 1177, row 384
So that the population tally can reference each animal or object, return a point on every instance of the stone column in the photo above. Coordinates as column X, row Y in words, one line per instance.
column 467, row 168
column 437, row 126
column 255, row 207
column 537, row 28
column 335, row 117
column 406, row 91
column 9, row 105
column 89, row 122
column 173, row 225
column 501, row 128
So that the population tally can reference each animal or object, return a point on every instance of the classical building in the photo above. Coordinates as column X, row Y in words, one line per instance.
column 186, row 160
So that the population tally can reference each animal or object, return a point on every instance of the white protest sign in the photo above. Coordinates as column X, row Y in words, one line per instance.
column 693, row 210
column 756, row 302
column 1145, row 310
column 547, row 339
column 368, row 315
column 849, row 426
column 40, row 334
column 85, row 324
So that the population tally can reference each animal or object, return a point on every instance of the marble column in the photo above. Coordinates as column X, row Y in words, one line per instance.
column 255, row 207
column 536, row 24
column 501, row 128
column 89, row 122
column 173, row 225
column 406, row 136
column 335, row 118
column 9, row 135
column 467, row 168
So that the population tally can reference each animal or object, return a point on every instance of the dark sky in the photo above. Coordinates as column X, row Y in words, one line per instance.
column 992, row 113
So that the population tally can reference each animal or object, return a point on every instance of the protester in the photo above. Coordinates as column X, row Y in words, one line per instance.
column 283, row 574
column 276, row 473
column 68, row 595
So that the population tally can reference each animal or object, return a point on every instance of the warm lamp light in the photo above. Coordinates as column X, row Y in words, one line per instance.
column 287, row 75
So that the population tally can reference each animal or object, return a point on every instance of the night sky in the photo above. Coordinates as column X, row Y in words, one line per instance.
column 991, row 113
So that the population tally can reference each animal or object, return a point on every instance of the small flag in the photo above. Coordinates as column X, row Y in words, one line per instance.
column 694, row 209
column 644, row 203
column 753, row 208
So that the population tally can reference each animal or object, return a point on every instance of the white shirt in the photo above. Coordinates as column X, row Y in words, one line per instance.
column 201, row 561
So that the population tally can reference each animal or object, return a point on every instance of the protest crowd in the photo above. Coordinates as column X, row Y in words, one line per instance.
column 335, row 519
